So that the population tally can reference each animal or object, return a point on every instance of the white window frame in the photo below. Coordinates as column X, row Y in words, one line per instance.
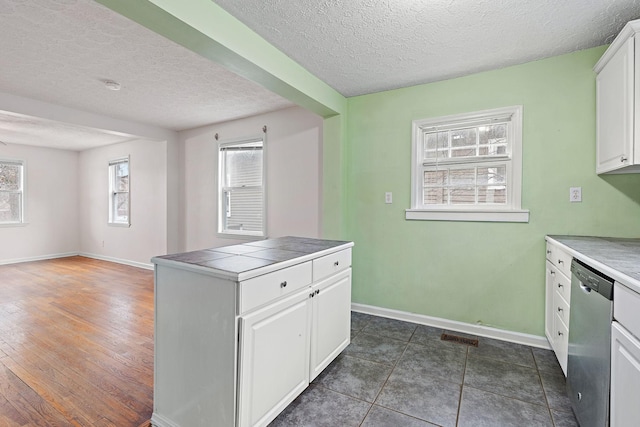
column 22, row 192
column 511, row 211
column 223, row 191
column 113, row 192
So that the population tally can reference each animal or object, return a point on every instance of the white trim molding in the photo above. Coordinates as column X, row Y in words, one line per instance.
column 37, row 258
column 510, row 210
column 470, row 215
column 467, row 328
column 146, row 266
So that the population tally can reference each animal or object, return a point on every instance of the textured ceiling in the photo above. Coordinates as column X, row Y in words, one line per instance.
column 365, row 46
column 61, row 51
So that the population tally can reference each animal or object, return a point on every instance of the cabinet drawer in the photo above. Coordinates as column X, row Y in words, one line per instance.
column 561, row 283
column 269, row 287
column 626, row 309
column 562, row 260
column 550, row 252
column 561, row 308
column 330, row 264
column 561, row 339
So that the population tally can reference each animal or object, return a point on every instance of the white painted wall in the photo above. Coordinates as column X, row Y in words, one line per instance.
column 147, row 236
column 294, row 180
column 51, row 205
column 36, row 108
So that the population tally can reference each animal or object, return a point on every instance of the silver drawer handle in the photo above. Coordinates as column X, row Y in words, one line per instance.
column 560, row 285
column 623, row 159
column 560, row 334
column 548, row 252
column 560, row 310
column 337, row 263
column 283, row 284
column 553, row 273
column 560, row 261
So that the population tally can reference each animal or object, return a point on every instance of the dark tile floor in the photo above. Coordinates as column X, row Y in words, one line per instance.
column 397, row 374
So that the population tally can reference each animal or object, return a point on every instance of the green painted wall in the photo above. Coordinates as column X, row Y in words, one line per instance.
column 486, row 273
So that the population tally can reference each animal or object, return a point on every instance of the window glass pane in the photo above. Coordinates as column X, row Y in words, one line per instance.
column 244, row 210
column 494, row 134
column 243, row 166
column 492, row 175
column 121, row 175
column 463, row 152
column 462, row 177
column 436, row 145
column 435, row 196
column 121, row 207
column 435, row 178
column 463, row 196
column 492, row 194
column 10, row 177
column 10, row 207
column 463, row 137
column 492, row 150
column 431, row 141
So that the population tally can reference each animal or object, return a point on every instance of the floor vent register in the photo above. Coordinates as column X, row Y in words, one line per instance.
column 459, row 339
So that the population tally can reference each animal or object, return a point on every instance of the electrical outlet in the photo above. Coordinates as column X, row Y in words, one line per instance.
column 388, row 197
column 575, row 194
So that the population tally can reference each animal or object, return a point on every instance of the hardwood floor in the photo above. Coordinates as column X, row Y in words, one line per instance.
column 76, row 344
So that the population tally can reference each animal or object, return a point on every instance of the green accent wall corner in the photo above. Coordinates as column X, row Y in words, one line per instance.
column 481, row 273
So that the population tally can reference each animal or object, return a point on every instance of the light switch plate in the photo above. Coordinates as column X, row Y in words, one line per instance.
column 575, row 194
column 388, row 197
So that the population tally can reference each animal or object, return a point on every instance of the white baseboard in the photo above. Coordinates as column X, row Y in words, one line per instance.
column 37, row 258
column 467, row 328
column 118, row 260
column 160, row 421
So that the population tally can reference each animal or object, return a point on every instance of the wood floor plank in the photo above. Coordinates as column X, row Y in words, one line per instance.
column 76, row 344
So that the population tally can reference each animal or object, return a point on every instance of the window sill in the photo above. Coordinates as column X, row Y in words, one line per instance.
column 241, row 236
column 119, row 224
column 496, row 215
column 13, row 224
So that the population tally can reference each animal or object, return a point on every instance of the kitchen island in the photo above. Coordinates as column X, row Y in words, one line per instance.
column 241, row 331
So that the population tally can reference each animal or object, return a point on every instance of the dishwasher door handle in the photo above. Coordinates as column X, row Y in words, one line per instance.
column 585, row 289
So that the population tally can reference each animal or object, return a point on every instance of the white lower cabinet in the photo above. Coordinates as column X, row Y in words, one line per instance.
column 625, row 377
column 274, row 355
column 557, row 299
column 331, row 330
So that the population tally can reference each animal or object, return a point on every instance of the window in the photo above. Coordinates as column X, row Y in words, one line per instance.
column 241, row 187
column 119, row 200
column 11, row 192
column 468, row 167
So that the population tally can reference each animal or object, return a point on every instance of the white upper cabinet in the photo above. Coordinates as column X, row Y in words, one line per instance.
column 618, row 104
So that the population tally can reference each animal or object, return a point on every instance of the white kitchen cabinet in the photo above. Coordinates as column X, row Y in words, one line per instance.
column 625, row 357
column 625, row 377
column 618, row 103
column 331, row 331
column 274, row 358
column 557, row 299
column 238, row 338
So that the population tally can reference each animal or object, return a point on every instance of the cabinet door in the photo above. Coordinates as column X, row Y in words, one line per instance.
column 614, row 111
column 331, row 325
column 625, row 377
column 548, row 305
column 274, row 358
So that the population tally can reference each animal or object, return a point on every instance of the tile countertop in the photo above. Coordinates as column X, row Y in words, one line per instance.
column 247, row 260
column 615, row 257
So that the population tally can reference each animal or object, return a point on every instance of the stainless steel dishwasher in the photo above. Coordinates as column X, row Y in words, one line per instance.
column 589, row 364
